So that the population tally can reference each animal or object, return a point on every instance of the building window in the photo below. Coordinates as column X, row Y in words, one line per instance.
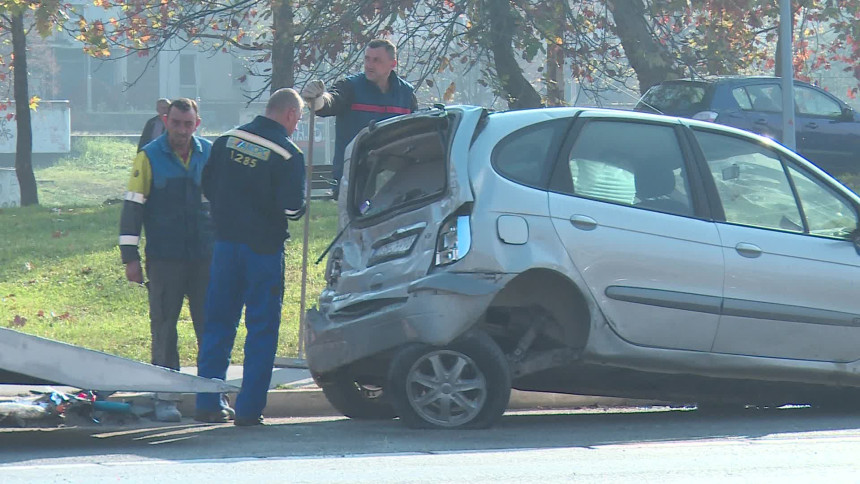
column 188, row 76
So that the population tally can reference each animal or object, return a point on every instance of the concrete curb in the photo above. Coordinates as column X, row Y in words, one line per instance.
column 311, row 402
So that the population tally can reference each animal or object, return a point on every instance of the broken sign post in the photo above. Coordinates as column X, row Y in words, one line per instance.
column 309, row 166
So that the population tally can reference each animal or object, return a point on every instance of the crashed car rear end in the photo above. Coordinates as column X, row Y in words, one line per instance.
column 389, row 286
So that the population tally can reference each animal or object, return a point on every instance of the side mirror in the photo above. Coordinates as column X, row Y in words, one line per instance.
column 847, row 114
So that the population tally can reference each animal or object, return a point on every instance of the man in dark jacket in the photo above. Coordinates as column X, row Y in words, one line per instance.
column 154, row 127
column 255, row 181
column 377, row 93
column 165, row 198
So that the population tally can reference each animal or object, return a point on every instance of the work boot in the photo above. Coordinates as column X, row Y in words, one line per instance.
column 248, row 421
column 218, row 416
column 166, row 411
column 225, row 406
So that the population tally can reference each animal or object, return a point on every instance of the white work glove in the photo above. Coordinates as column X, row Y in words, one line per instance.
column 313, row 94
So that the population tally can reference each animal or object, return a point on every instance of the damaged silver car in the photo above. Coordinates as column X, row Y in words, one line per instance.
column 582, row 251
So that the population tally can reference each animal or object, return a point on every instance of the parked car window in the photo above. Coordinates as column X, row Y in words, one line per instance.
column 628, row 163
column 765, row 98
column 752, row 185
column 741, row 97
column 670, row 97
column 523, row 156
column 811, row 102
column 827, row 213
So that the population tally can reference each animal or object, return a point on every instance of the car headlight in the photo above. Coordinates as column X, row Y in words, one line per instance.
column 454, row 240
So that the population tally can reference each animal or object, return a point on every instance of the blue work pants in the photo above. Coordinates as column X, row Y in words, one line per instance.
column 240, row 277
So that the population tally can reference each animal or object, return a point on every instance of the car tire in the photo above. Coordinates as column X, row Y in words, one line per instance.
column 466, row 384
column 355, row 399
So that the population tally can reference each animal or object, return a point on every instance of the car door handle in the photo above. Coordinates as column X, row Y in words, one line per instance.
column 583, row 222
column 760, row 121
column 810, row 125
column 750, row 251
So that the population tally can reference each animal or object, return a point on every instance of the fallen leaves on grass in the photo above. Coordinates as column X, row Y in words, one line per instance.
column 19, row 321
column 62, row 317
column 59, row 233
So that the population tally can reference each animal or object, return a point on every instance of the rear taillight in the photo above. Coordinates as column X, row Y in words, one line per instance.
column 709, row 116
column 454, row 240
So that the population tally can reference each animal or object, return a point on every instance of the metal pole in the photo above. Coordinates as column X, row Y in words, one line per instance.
column 309, row 166
column 785, row 20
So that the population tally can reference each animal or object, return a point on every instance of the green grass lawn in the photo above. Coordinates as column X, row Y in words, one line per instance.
column 60, row 270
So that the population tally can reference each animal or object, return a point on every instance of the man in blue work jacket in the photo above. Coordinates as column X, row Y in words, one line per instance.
column 165, row 198
column 255, row 181
column 377, row 93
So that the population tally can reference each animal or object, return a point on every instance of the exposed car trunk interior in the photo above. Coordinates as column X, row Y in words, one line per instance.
column 400, row 166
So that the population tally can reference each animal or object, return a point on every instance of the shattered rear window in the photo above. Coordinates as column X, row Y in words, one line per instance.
column 400, row 167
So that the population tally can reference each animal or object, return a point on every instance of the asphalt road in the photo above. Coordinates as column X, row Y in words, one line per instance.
column 612, row 445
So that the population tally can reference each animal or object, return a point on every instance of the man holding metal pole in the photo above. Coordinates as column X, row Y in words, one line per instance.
column 377, row 93
column 255, row 182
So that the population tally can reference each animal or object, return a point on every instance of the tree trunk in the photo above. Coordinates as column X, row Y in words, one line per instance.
column 283, row 44
column 24, row 146
column 651, row 61
column 520, row 93
column 554, row 75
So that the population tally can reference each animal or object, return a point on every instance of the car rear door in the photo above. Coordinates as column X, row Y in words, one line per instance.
column 620, row 201
column 764, row 115
column 825, row 135
column 791, row 271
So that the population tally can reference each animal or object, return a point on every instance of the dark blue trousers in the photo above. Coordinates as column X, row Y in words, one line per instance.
column 239, row 278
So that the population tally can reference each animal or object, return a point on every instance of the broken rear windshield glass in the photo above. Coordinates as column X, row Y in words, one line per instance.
column 401, row 166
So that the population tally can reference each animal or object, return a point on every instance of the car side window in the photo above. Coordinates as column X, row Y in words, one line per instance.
column 752, row 185
column 628, row 163
column 827, row 213
column 523, row 156
column 741, row 97
column 813, row 103
column 765, row 98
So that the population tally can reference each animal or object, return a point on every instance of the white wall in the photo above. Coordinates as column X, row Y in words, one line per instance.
column 10, row 193
column 50, row 123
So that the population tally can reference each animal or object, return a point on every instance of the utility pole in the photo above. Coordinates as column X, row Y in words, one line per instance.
column 785, row 21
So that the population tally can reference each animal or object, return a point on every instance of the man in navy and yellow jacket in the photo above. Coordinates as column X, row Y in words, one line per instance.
column 165, row 199
column 377, row 93
column 255, row 180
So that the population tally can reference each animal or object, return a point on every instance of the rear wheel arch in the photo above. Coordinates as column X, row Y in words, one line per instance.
column 552, row 294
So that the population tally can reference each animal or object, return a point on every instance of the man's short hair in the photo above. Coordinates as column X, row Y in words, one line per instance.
column 163, row 100
column 386, row 44
column 284, row 99
column 184, row 104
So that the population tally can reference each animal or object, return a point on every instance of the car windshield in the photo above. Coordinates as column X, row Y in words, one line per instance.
column 399, row 165
column 676, row 99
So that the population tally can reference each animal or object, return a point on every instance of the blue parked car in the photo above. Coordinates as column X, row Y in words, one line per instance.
column 828, row 130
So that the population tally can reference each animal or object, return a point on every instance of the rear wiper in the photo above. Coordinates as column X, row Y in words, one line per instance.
column 365, row 206
column 334, row 241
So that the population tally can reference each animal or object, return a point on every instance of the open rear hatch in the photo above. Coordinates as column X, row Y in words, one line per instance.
column 406, row 177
